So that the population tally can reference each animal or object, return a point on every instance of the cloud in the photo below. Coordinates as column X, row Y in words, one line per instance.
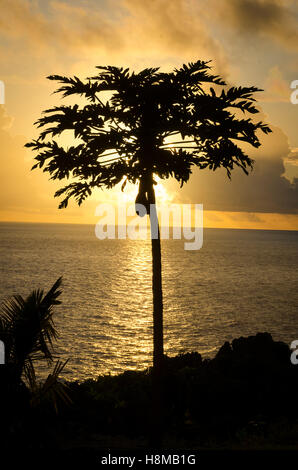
column 5, row 120
column 267, row 18
column 26, row 195
column 78, row 34
column 291, row 165
column 249, row 220
column 138, row 31
column 246, row 216
column 29, row 196
column 23, row 192
column 277, row 89
column 18, row 189
column 63, row 24
column 293, row 157
column 264, row 190
column 173, row 27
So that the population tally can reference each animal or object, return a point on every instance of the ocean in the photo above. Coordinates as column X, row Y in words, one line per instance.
column 239, row 283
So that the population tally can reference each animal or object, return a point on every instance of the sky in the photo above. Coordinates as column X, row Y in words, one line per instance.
column 250, row 42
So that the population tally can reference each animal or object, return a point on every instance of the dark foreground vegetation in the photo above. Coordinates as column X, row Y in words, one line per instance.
column 243, row 398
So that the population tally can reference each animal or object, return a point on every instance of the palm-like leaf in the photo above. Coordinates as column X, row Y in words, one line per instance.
column 51, row 390
column 27, row 329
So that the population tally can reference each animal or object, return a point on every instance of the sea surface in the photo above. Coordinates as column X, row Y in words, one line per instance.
column 239, row 283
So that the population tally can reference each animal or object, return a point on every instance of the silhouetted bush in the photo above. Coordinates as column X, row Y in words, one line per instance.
column 244, row 395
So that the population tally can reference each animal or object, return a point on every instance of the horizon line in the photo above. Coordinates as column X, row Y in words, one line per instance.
column 170, row 228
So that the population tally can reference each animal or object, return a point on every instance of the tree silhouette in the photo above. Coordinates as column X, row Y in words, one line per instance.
column 28, row 332
column 128, row 137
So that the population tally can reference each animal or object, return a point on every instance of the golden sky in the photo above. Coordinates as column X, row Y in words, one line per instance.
column 251, row 42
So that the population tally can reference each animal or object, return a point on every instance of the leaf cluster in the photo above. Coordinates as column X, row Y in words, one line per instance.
column 130, row 133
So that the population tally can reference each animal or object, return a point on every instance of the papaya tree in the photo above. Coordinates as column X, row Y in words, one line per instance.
column 133, row 127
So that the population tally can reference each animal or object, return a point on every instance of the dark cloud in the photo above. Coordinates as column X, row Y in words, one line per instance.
column 272, row 18
column 264, row 190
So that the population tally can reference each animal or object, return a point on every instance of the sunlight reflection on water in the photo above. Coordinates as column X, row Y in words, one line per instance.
column 239, row 283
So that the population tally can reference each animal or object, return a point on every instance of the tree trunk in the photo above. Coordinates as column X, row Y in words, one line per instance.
column 158, row 356
column 156, row 286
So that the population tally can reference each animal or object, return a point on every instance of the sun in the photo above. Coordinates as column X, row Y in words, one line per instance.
column 130, row 193
column 162, row 195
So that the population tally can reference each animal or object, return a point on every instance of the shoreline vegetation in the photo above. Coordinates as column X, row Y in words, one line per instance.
column 244, row 398
column 241, row 400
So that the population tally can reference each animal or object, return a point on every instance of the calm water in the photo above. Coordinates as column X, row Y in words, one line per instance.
column 241, row 282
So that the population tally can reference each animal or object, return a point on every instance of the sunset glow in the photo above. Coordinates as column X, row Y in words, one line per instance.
column 148, row 233
column 79, row 34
